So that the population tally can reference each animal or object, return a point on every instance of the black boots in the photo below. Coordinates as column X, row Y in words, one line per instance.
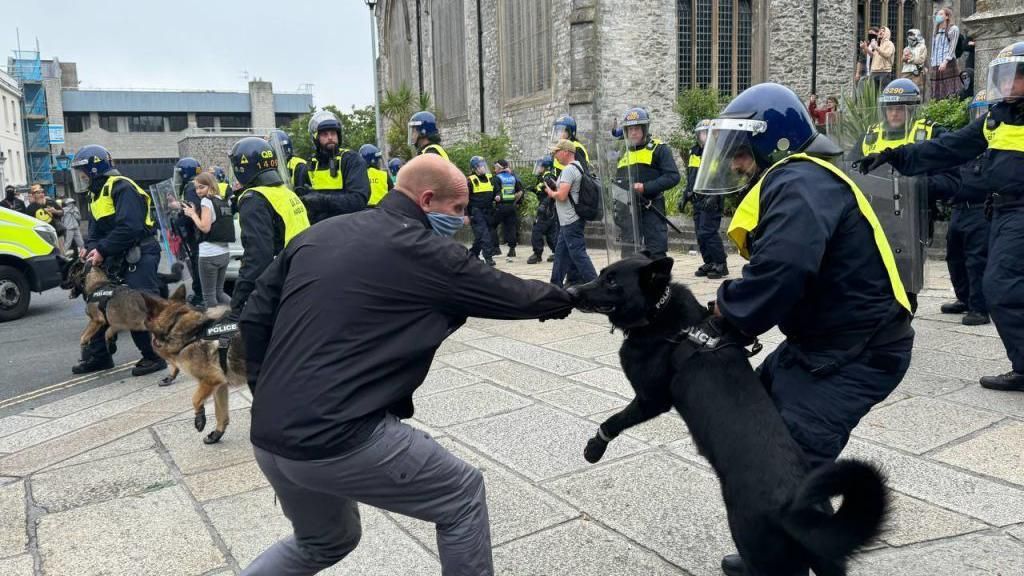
column 1011, row 381
column 956, row 307
column 148, row 366
column 533, row 259
column 973, row 318
column 716, row 271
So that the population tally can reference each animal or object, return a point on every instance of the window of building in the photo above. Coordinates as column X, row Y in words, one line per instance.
column 282, row 120
column 14, row 116
column 899, row 17
column 177, row 122
column 715, row 39
column 206, row 120
column 449, row 44
column 229, row 121
column 399, row 42
column 108, row 122
column 145, row 123
column 526, row 52
column 75, row 122
column 6, row 121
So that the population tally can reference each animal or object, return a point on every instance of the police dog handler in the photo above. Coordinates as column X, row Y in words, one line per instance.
column 339, row 333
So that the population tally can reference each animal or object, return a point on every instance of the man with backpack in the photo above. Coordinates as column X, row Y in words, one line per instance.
column 576, row 200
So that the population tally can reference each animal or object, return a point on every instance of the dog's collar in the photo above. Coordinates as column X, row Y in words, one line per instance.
column 658, row 306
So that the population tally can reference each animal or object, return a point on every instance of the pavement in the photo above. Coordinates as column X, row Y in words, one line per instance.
column 115, row 481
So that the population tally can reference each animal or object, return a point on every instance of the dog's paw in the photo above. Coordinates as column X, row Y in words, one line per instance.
column 595, row 450
column 213, row 437
column 200, row 421
column 167, row 380
column 112, row 346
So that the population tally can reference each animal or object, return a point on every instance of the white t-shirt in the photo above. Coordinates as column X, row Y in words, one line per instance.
column 208, row 249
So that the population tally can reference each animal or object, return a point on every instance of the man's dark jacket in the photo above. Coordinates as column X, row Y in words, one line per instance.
column 343, row 326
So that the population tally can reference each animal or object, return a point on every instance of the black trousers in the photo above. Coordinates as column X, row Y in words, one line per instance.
column 545, row 229
column 967, row 253
column 479, row 219
column 505, row 215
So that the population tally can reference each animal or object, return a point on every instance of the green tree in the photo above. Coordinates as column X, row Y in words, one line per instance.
column 693, row 105
column 358, row 127
column 949, row 112
column 396, row 108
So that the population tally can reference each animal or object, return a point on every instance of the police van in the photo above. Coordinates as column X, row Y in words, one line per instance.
column 28, row 261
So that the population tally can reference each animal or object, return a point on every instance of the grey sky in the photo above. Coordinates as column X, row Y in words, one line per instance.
column 203, row 44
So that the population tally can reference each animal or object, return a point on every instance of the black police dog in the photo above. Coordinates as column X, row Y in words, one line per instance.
column 778, row 510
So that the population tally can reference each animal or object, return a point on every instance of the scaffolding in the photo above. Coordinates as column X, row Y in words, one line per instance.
column 29, row 70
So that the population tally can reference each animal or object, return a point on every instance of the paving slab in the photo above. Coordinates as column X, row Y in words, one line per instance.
column 667, row 505
column 576, row 548
column 236, row 479
column 536, row 356
column 522, row 379
column 191, row 455
column 516, row 508
column 980, row 555
column 662, row 430
column 607, row 379
column 135, row 442
column 470, row 357
column 17, row 566
column 466, row 333
column 444, row 379
column 612, row 360
column 101, row 480
column 912, row 520
column 920, row 424
column 465, row 404
column 582, row 401
column 938, row 484
column 1002, row 402
column 157, row 533
column 17, row 423
column 83, row 400
column 250, row 523
column 590, row 345
column 535, row 332
column 1017, row 532
column 13, row 535
column 59, row 449
column 998, row 452
column 451, row 347
column 537, row 441
column 918, row 382
column 955, row 343
column 956, row 366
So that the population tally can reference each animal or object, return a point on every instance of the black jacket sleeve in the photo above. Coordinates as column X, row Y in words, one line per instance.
column 352, row 198
column 257, row 319
column 947, row 151
column 481, row 291
column 258, row 222
column 668, row 173
column 301, row 178
column 129, row 220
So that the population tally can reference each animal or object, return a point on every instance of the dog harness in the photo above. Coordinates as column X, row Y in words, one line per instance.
column 102, row 295
column 221, row 333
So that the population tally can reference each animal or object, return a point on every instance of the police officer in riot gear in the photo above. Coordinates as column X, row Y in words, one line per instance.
column 121, row 240
column 564, row 127
column 297, row 168
column 481, row 208
column 269, row 213
column 507, row 198
column 334, row 180
column 967, row 237
column 222, row 182
column 424, row 135
column 647, row 163
column 545, row 224
column 380, row 182
column 999, row 135
column 185, row 170
column 707, row 212
column 819, row 268
column 394, row 165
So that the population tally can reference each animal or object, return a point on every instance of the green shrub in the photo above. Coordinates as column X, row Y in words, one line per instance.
column 950, row 112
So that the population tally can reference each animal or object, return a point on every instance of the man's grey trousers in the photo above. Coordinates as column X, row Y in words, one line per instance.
column 399, row 469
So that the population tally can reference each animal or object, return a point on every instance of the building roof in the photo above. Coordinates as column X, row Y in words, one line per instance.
column 157, row 101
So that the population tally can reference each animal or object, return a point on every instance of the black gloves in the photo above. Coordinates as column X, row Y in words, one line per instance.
column 683, row 200
column 872, row 161
column 559, row 314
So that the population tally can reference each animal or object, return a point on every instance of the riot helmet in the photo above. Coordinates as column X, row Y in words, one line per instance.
column 897, row 107
column 325, row 121
column 545, row 164
column 477, row 165
column 250, row 157
column 371, row 155
column 636, row 137
column 564, row 128
column 700, row 132
column 1006, row 75
column 394, row 165
column 978, row 107
column 281, row 141
column 422, row 125
column 89, row 163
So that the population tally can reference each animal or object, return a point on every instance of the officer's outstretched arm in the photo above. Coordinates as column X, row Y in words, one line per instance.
column 129, row 220
column 668, row 173
column 257, row 218
column 949, row 150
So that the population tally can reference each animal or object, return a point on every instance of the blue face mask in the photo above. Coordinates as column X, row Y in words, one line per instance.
column 939, row 18
column 444, row 224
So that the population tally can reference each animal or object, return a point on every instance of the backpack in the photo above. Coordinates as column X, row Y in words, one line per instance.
column 590, row 206
column 961, row 44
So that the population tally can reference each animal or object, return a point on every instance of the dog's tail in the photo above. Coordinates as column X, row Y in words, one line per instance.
column 830, row 538
column 173, row 276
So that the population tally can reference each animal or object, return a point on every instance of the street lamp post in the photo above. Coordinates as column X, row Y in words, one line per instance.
column 63, row 164
column 372, row 5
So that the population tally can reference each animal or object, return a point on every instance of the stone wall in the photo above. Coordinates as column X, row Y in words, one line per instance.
column 787, row 26
column 996, row 25
column 261, row 102
column 208, row 149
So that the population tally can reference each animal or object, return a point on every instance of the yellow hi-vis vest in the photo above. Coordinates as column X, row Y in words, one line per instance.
column 321, row 179
column 378, row 185
column 559, row 166
column 102, row 204
column 293, row 164
column 1004, row 137
column 644, row 155
column 288, row 207
column 745, row 220
column 481, row 184
column 434, row 148
column 693, row 161
column 223, row 186
column 875, row 140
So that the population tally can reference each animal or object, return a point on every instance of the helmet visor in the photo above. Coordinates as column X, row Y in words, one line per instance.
column 977, row 110
column 896, row 119
column 559, row 132
column 728, row 164
column 414, row 133
column 1005, row 79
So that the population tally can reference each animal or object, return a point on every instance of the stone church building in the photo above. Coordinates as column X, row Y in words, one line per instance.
column 521, row 63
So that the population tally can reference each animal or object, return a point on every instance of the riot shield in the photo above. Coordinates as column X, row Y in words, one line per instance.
column 900, row 202
column 282, row 160
column 161, row 194
column 621, row 206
